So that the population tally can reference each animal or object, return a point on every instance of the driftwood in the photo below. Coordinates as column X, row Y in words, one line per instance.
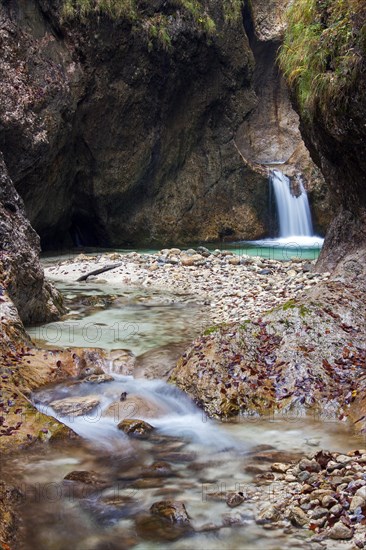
column 98, row 271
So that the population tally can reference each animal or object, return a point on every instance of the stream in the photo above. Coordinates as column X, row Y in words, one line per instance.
column 197, row 458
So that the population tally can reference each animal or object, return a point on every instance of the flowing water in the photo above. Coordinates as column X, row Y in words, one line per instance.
column 203, row 456
column 294, row 215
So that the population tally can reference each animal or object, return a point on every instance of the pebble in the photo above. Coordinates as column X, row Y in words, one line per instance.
column 357, row 501
column 340, row 531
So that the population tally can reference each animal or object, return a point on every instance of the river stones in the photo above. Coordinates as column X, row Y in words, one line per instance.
column 136, row 428
column 75, row 406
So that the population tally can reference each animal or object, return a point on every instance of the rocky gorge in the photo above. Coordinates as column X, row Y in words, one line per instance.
column 105, row 151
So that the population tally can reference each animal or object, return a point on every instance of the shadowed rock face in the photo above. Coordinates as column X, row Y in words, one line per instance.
column 111, row 141
column 21, row 274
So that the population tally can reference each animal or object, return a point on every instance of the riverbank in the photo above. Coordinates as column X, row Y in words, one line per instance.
column 233, row 287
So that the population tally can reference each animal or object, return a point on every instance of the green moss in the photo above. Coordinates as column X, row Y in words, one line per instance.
column 303, row 310
column 322, row 51
column 158, row 27
column 211, row 330
column 291, row 304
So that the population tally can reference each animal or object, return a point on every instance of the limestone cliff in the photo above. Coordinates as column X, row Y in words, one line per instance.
column 129, row 130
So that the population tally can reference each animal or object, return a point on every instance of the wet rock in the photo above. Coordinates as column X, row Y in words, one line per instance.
column 84, row 476
column 234, row 499
column 158, row 469
column 230, row 520
column 340, row 531
column 173, row 511
column 134, row 406
column 280, row 468
column 75, row 406
column 157, row 528
column 123, row 362
column 136, row 428
column 98, row 378
column 149, row 483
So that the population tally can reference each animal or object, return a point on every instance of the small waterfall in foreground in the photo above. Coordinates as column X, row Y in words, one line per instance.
column 294, row 215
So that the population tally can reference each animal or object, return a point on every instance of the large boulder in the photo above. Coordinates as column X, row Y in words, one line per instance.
column 304, row 357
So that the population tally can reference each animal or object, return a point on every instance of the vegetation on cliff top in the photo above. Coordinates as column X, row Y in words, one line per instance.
column 322, row 53
column 158, row 25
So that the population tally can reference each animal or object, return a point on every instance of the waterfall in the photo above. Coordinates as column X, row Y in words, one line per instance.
column 294, row 215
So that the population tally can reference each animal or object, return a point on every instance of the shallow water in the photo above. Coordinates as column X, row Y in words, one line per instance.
column 282, row 249
column 139, row 320
column 205, row 456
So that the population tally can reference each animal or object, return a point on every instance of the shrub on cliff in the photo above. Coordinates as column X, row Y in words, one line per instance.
column 156, row 21
column 323, row 51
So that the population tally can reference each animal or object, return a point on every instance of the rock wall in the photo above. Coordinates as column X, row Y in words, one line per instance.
column 270, row 133
column 114, row 138
column 21, row 275
column 332, row 122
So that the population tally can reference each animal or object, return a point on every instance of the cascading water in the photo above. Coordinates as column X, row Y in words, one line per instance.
column 294, row 215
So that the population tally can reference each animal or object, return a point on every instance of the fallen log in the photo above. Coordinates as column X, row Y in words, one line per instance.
column 98, row 271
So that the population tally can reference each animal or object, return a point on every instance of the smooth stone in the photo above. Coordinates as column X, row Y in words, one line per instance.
column 356, row 502
column 280, row 468
column 75, row 406
column 361, row 492
column 336, row 510
column 98, row 378
column 340, row 531
column 133, row 406
column 298, row 517
column 318, row 512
